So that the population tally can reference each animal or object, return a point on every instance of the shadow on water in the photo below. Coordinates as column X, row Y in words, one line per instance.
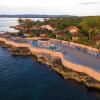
column 94, row 92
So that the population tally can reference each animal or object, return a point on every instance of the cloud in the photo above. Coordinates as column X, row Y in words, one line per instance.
column 89, row 3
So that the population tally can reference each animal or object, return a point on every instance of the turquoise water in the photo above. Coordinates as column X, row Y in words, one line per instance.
column 53, row 48
column 36, row 44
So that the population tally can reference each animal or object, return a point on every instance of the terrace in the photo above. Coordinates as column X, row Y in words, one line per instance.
column 71, row 52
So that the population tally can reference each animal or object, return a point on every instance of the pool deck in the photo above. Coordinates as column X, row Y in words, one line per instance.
column 71, row 58
column 81, row 58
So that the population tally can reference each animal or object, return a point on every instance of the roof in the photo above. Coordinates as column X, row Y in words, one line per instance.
column 49, row 27
column 72, row 27
column 73, row 30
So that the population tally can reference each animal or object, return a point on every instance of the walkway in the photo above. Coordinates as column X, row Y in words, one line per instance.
column 81, row 58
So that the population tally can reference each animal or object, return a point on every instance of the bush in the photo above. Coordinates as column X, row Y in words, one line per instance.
column 34, row 34
column 51, row 35
column 85, row 41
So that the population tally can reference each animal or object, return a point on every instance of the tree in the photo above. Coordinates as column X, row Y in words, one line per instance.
column 20, row 33
column 28, row 24
column 20, row 21
column 51, row 35
column 90, row 25
column 69, row 36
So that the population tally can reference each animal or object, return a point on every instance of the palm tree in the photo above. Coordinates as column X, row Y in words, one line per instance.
column 20, row 21
column 27, row 24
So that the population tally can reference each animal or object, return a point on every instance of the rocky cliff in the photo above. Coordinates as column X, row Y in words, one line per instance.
column 57, row 66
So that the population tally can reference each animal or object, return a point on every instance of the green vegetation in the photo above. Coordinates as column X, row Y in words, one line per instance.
column 50, row 35
column 27, row 24
column 21, row 33
column 90, row 26
column 88, row 33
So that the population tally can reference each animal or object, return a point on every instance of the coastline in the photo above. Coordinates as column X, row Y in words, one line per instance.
column 26, row 49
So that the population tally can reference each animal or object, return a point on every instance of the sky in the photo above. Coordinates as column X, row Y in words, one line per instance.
column 55, row 7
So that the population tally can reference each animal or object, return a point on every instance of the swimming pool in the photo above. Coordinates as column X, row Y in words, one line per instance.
column 37, row 44
column 53, row 48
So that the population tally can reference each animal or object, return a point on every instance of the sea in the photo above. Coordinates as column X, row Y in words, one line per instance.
column 23, row 78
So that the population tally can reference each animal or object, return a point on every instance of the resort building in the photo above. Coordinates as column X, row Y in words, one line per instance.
column 48, row 27
column 74, row 31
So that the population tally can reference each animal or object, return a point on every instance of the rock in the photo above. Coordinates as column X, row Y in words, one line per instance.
column 42, row 59
column 21, row 51
column 80, row 77
column 2, row 43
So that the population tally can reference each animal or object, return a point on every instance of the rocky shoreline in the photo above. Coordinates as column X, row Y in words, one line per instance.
column 55, row 64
